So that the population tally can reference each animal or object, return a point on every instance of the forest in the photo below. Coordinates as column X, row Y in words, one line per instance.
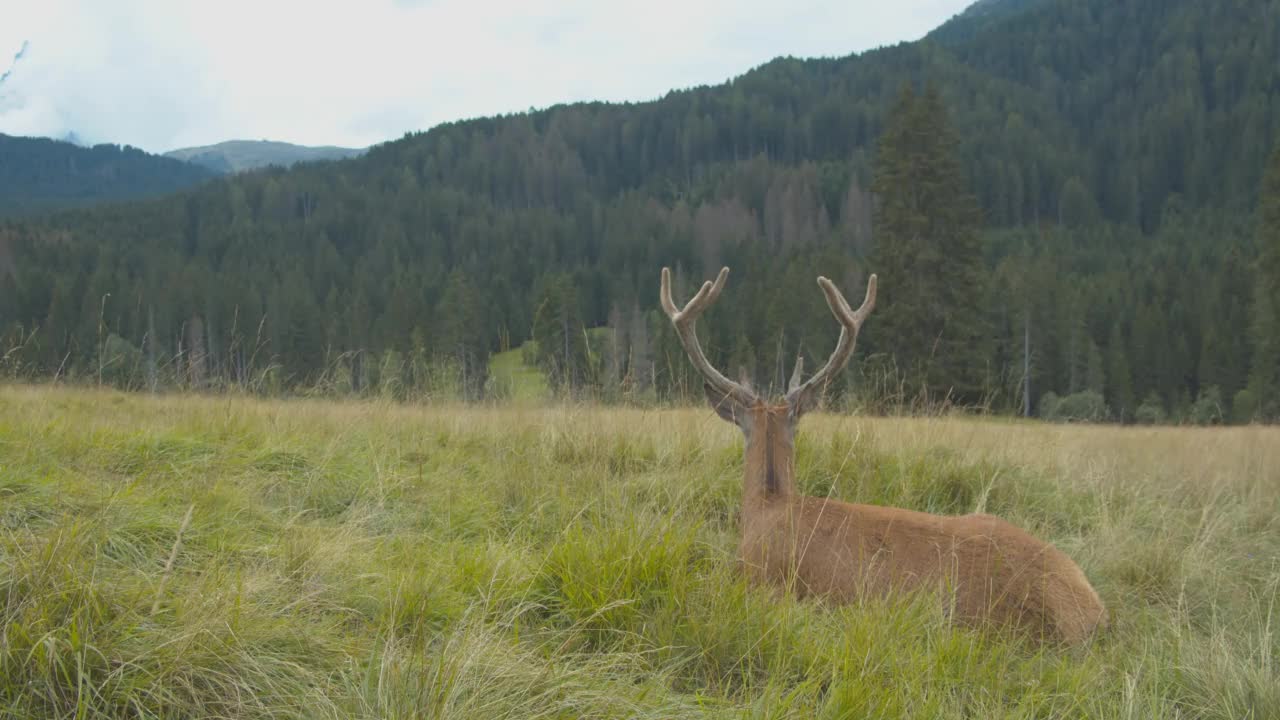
column 40, row 175
column 1072, row 206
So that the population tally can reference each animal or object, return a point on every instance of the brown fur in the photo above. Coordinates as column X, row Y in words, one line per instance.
column 986, row 570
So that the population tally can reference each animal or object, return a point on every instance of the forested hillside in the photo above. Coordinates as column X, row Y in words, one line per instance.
column 1095, row 164
column 39, row 174
column 239, row 155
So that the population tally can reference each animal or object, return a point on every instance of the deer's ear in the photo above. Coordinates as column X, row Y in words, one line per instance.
column 725, row 406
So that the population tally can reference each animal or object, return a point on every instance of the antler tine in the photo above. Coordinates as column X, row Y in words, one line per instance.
column 868, row 302
column 682, row 319
column 706, row 295
column 850, row 323
column 796, row 374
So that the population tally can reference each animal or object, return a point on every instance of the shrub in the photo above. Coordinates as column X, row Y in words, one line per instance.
column 1244, row 407
column 1084, row 406
column 1151, row 411
column 1049, row 405
column 1207, row 409
column 121, row 363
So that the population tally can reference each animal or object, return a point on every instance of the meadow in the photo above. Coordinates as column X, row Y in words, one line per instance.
column 187, row 556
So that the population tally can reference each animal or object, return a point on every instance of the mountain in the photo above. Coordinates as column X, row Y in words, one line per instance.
column 238, row 155
column 39, row 174
column 981, row 14
column 1115, row 149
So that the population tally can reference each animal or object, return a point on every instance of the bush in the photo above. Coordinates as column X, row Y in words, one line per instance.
column 1085, row 406
column 1150, row 412
column 1207, row 409
column 1049, row 405
column 1244, row 407
column 121, row 363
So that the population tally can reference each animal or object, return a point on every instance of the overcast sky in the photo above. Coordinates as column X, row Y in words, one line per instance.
column 163, row 74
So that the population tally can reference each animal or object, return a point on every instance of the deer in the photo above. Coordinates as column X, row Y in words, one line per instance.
column 988, row 572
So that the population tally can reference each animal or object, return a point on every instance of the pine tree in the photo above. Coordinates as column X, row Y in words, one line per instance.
column 1119, row 379
column 462, row 331
column 640, row 362
column 559, row 333
column 615, row 352
column 928, row 255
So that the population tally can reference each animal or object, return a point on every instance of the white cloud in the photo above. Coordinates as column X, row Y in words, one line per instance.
column 160, row 74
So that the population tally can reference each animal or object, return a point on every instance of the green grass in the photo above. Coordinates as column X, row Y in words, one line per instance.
column 520, row 382
column 380, row 561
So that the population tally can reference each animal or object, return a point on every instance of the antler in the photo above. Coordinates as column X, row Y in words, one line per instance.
column 683, row 322
column 850, row 323
column 797, row 373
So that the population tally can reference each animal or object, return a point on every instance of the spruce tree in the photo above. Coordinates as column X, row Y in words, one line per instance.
column 559, row 334
column 1119, row 380
column 462, row 331
column 928, row 255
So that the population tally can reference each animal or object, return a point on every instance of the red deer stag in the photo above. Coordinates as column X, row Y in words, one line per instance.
column 988, row 569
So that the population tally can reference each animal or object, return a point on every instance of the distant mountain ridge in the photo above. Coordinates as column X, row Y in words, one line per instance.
column 235, row 156
column 41, row 174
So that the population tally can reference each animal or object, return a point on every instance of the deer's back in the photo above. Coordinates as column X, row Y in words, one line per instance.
column 987, row 568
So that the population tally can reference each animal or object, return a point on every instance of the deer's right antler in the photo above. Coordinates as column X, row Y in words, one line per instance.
column 683, row 320
column 850, row 323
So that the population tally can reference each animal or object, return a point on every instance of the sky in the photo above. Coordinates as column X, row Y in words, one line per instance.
column 165, row 74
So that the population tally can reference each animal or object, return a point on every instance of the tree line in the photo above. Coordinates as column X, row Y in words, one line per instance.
column 1037, row 246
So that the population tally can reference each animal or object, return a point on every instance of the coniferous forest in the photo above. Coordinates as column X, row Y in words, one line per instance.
column 1073, row 207
column 41, row 175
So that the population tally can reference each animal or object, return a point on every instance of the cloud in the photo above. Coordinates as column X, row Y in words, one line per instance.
column 161, row 75
column 17, row 56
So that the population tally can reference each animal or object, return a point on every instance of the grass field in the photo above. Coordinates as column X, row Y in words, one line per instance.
column 523, row 384
column 230, row 557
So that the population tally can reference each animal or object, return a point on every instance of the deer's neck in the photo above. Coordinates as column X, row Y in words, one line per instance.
column 770, row 461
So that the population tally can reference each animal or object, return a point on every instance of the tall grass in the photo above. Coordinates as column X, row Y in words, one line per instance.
column 363, row 559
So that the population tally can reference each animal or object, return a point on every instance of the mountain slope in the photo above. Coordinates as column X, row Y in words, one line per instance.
column 38, row 174
column 239, row 155
column 1168, row 99
column 978, row 17
column 1112, row 146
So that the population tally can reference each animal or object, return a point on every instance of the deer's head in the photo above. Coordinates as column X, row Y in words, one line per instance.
column 768, row 424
